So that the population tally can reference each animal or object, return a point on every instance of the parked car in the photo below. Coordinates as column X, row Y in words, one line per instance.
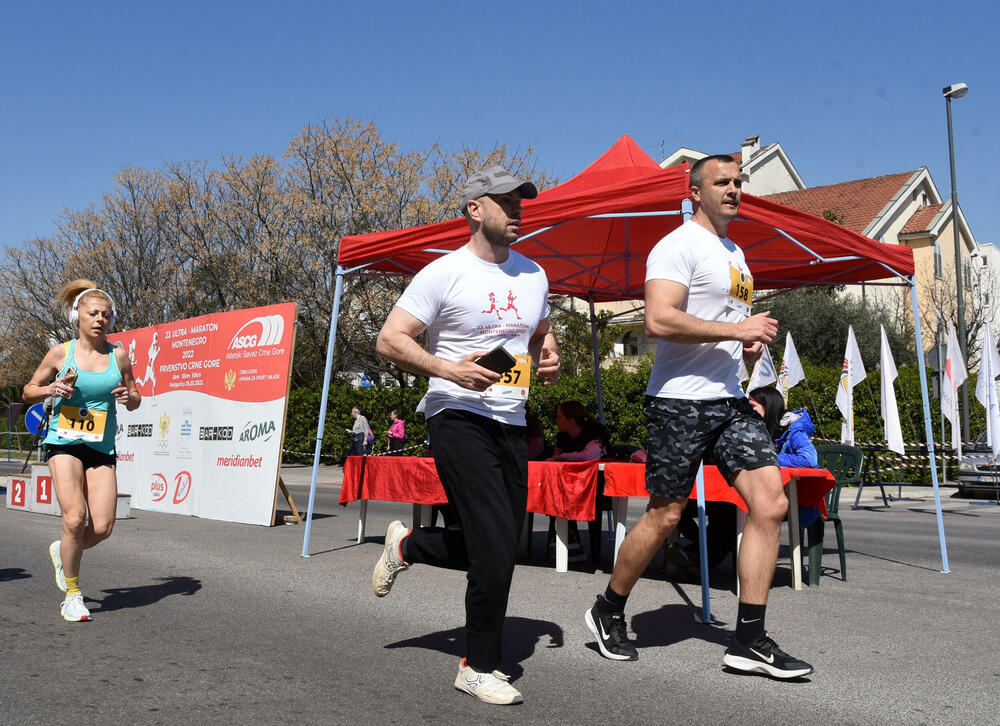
column 978, row 470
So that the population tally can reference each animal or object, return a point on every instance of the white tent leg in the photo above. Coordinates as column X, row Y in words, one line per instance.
column 337, row 290
column 928, row 428
column 597, row 361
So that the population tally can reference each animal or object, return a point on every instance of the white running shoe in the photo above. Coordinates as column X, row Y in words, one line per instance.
column 57, row 563
column 73, row 609
column 487, row 687
column 390, row 563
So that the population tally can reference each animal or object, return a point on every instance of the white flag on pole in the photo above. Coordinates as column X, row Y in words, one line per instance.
column 986, row 390
column 852, row 373
column 890, row 413
column 955, row 374
column 763, row 371
column 791, row 371
column 744, row 375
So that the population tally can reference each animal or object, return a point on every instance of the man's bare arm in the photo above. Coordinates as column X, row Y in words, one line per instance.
column 396, row 342
column 545, row 352
column 665, row 319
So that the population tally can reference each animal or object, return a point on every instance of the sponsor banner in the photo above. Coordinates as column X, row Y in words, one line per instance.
column 206, row 440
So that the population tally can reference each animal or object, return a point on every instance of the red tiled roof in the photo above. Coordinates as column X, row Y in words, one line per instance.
column 858, row 201
column 921, row 219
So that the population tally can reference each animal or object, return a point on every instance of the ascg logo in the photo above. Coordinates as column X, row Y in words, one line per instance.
column 257, row 430
column 269, row 332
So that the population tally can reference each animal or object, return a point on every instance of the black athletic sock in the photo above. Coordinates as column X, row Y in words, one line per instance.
column 749, row 622
column 611, row 602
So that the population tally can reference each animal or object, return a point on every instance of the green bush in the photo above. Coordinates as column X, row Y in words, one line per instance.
column 623, row 391
column 374, row 403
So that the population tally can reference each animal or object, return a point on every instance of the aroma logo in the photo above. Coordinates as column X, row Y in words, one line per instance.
column 262, row 430
column 271, row 328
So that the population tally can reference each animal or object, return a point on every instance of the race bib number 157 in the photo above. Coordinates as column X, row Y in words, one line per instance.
column 515, row 382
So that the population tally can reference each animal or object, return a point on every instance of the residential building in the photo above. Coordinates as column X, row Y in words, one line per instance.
column 901, row 208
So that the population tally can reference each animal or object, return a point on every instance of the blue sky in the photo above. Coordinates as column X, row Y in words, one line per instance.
column 850, row 89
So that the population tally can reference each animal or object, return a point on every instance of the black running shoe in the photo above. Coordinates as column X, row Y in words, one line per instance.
column 611, row 634
column 764, row 656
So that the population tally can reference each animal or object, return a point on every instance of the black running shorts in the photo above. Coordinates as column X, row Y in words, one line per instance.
column 726, row 432
column 90, row 458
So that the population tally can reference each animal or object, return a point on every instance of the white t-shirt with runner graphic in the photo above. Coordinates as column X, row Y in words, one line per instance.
column 469, row 305
column 720, row 288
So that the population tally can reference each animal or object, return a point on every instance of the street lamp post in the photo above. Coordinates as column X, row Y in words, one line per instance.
column 957, row 90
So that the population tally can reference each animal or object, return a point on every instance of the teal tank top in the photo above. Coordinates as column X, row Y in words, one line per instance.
column 88, row 416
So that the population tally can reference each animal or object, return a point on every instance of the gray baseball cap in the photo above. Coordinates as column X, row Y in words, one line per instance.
column 495, row 180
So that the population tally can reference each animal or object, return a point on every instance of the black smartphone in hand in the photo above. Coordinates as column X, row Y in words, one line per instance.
column 497, row 360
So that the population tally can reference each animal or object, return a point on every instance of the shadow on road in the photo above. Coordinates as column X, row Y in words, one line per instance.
column 672, row 624
column 521, row 636
column 13, row 573
column 137, row 597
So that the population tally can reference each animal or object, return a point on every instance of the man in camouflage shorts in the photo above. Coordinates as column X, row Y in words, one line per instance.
column 698, row 295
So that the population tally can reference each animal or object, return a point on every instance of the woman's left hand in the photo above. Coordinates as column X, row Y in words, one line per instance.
column 121, row 394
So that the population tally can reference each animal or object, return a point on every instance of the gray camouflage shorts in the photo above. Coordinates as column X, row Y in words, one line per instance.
column 724, row 432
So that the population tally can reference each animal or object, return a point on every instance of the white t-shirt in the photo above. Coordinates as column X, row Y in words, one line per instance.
column 720, row 288
column 469, row 304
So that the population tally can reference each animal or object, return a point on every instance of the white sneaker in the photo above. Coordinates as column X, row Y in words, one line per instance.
column 390, row 563
column 57, row 563
column 487, row 687
column 73, row 609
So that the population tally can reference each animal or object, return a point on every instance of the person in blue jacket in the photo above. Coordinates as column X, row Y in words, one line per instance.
column 792, row 433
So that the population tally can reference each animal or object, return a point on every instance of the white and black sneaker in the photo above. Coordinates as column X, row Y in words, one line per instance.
column 764, row 656
column 611, row 633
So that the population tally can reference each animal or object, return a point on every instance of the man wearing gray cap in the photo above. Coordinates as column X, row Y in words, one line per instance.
column 473, row 301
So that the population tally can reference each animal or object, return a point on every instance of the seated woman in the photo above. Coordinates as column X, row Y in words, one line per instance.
column 580, row 438
column 792, row 433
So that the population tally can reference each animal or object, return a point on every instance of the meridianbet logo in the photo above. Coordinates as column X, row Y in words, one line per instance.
column 272, row 327
column 259, row 430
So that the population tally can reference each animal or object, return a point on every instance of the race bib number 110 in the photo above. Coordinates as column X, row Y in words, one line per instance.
column 81, row 424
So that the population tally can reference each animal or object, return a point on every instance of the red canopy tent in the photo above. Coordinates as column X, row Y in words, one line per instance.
column 593, row 232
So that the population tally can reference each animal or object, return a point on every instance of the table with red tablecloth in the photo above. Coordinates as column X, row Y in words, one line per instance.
column 807, row 487
column 565, row 490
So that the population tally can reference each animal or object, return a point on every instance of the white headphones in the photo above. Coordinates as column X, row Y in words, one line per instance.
column 74, row 314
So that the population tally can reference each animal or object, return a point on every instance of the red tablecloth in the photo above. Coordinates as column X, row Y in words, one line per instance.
column 564, row 489
column 622, row 479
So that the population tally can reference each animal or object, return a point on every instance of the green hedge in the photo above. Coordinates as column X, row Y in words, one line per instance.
column 624, row 390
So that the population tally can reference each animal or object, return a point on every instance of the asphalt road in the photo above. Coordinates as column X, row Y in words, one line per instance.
column 197, row 621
